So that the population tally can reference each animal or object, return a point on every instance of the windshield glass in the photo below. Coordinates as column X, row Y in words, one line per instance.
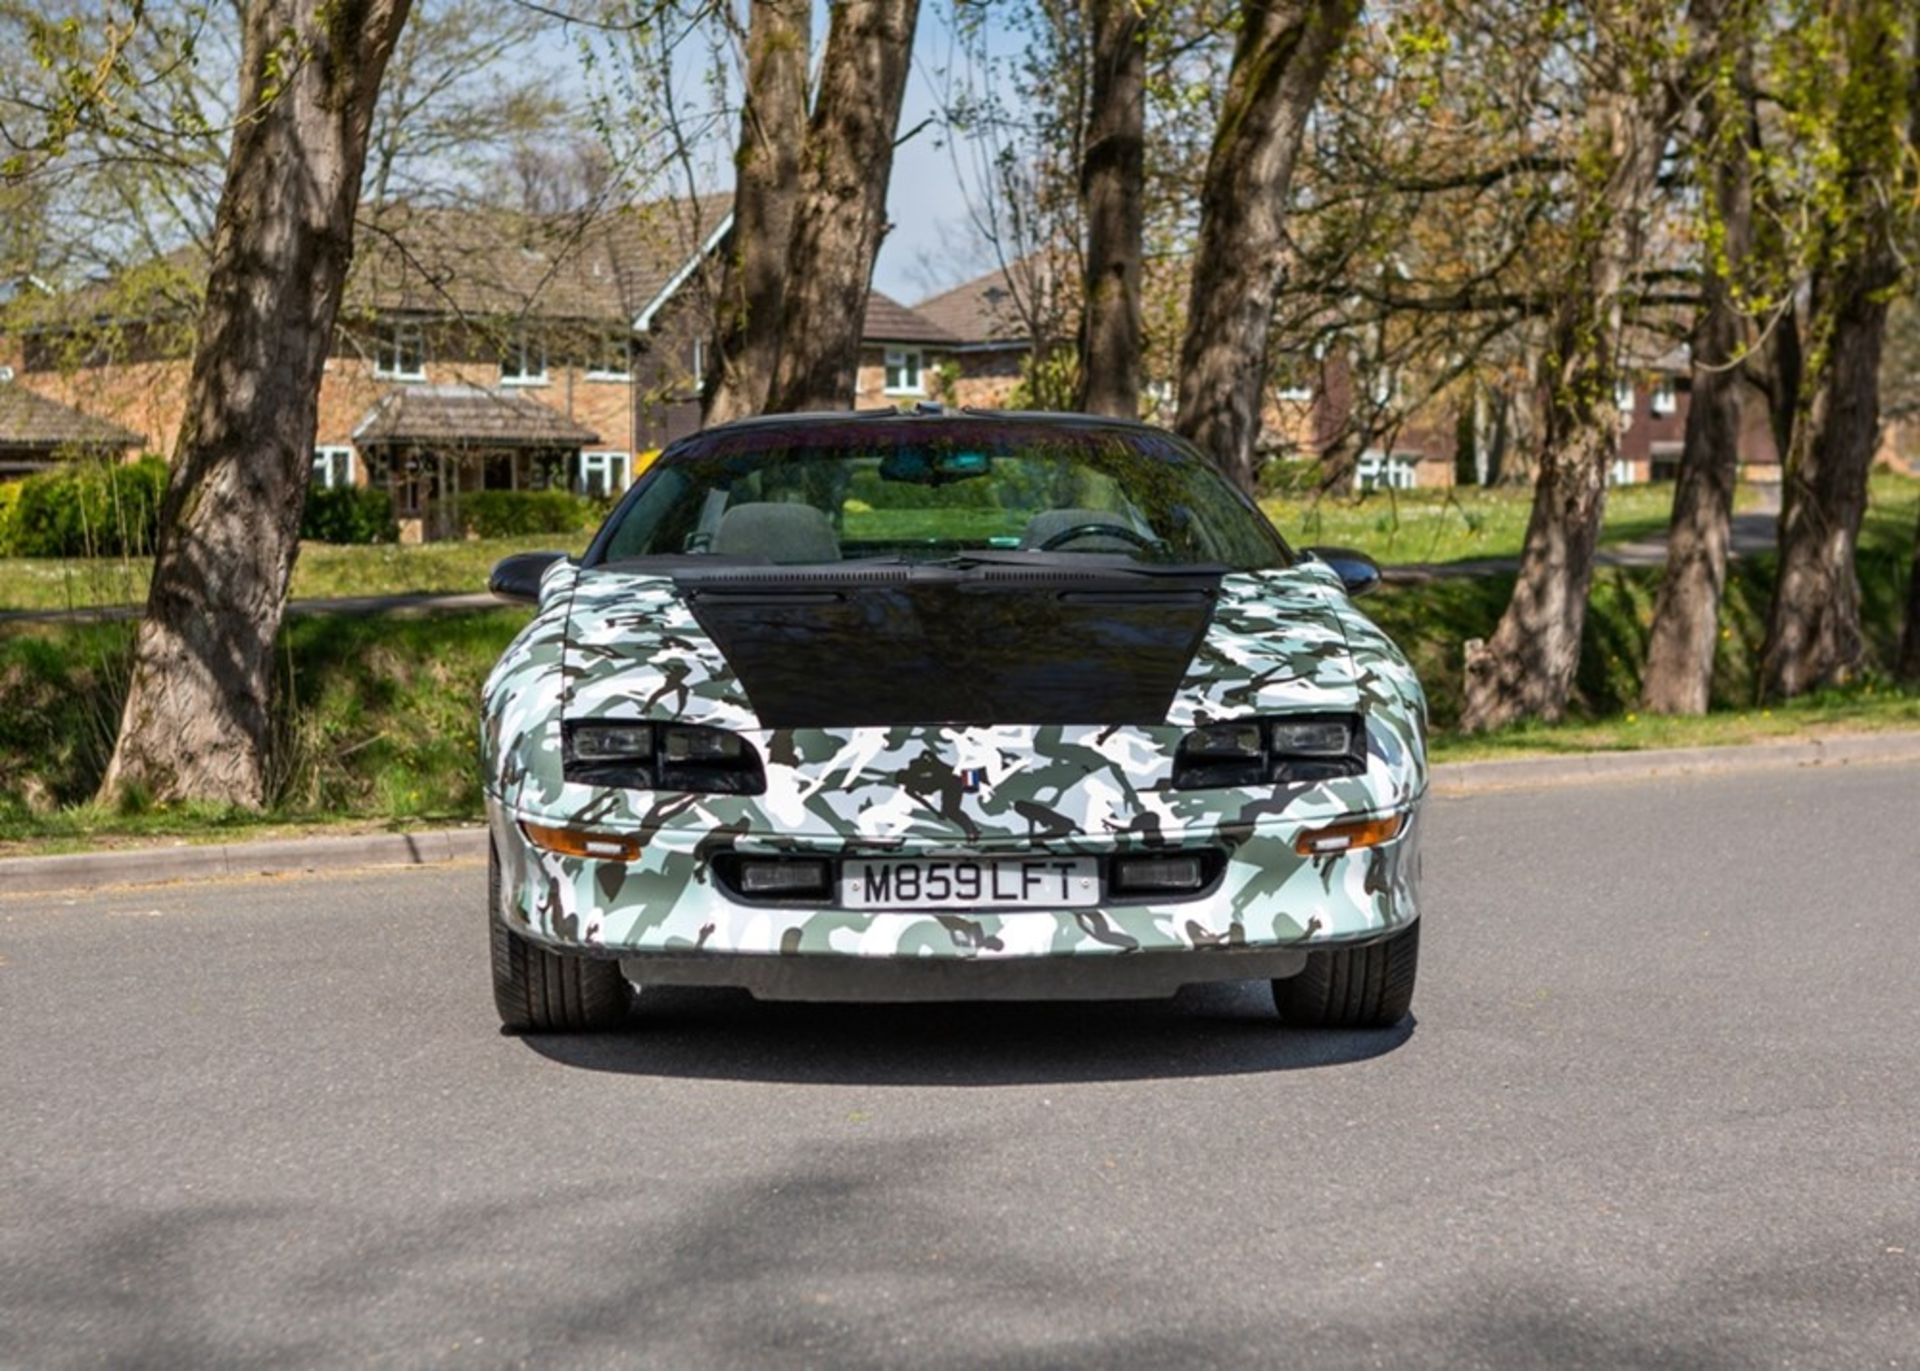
column 926, row 490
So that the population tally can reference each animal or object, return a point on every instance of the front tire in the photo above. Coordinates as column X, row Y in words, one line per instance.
column 1353, row 987
column 537, row 991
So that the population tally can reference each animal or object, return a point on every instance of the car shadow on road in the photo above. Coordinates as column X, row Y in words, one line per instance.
column 1206, row 1030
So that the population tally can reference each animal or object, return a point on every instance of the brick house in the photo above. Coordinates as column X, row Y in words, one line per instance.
column 36, row 432
column 475, row 350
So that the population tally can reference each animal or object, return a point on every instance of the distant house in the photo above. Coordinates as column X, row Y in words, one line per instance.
column 36, row 432
column 475, row 350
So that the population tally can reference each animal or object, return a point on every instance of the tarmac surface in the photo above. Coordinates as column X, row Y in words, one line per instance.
column 1659, row 1103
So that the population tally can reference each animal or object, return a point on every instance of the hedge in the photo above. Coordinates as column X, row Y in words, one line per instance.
column 348, row 514
column 514, row 513
column 84, row 509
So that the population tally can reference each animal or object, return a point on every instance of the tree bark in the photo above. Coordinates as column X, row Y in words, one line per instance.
column 1686, row 616
column 1112, row 177
column 1908, row 669
column 1526, row 669
column 196, row 722
column 843, row 203
column 1813, row 627
column 773, row 131
column 1279, row 60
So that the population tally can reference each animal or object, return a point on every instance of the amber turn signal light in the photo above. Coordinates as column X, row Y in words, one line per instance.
column 1322, row 842
column 572, row 842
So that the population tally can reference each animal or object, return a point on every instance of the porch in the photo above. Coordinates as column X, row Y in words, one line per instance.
column 430, row 446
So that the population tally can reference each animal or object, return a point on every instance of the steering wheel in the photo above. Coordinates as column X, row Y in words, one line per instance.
column 1145, row 541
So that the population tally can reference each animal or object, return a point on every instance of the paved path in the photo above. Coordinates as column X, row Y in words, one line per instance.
column 1753, row 532
column 1659, row 1107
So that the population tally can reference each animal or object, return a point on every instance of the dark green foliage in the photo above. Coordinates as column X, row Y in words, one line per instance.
column 1288, row 476
column 516, row 513
column 348, row 514
column 85, row 509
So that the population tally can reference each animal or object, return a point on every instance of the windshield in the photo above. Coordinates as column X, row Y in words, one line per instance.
column 925, row 490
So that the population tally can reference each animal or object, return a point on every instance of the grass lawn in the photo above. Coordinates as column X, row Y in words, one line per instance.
column 1393, row 526
column 324, row 571
column 378, row 716
column 1466, row 522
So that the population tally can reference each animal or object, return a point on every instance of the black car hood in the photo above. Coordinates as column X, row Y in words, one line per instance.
column 867, row 648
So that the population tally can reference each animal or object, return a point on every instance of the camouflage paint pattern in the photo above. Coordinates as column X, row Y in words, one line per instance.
column 612, row 644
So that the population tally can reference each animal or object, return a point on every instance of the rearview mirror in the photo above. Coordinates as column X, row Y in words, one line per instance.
column 1358, row 572
column 518, row 577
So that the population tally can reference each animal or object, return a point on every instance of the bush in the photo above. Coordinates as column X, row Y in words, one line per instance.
column 85, row 509
column 515, row 513
column 348, row 514
column 9, row 497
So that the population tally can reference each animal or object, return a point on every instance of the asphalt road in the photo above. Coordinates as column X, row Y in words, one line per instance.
column 1661, row 1104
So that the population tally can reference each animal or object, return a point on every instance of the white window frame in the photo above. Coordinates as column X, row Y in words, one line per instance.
column 896, row 359
column 1621, row 473
column 1625, row 400
column 604, row 462
column 390, row 353
column 523, row 346
column 1386, row 471
column 324, row 478
column 1665, row 400
column 597, row 368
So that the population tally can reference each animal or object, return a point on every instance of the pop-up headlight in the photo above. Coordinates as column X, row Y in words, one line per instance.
column 1295, row 749
column 644, row 756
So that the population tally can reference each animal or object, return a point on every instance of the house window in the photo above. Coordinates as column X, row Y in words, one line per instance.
column 401, row 354
column 613, row 361
column 1623, row 401
column 603, row 474
column 1664, row 402
column 1377, row 471
column 1621, row 473
column 524, row 363
column 903, row 372
column 332, row 467
column 1293, row 376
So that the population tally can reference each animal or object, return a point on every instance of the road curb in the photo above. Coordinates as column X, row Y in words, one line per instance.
column 1580, row 768
column 269, row 857
column 284, row 856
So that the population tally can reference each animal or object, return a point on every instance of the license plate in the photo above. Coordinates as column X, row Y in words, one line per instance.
column 964, row 883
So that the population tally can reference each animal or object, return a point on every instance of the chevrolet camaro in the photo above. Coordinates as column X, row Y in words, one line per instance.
column 948, row 706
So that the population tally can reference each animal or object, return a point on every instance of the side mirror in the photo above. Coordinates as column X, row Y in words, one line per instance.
column 518, row 577
column 1358, row 572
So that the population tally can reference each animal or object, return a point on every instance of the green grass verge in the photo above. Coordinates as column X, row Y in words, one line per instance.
column 1459, row 524
column 324, row 572
column 378, row 716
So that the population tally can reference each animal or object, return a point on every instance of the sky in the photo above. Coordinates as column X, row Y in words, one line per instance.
column 930, row 245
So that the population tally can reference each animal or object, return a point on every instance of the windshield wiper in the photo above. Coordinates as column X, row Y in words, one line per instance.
column 1099, row 563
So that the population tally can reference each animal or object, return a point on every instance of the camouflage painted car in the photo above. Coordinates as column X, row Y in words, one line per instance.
column 948, row 706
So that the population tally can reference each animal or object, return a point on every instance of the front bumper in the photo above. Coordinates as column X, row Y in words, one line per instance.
column 667, row 910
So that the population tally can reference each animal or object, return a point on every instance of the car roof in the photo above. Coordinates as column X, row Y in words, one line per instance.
column 929, row 415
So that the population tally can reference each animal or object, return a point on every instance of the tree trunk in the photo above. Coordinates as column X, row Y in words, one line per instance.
column 773, row 131
column 1813, row 629
column 843, row 203
column 1686, row 617
column 1112, row 176
column 1526, row 669
column 1279, row 59
column 1908, row 669
column 195, row 725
